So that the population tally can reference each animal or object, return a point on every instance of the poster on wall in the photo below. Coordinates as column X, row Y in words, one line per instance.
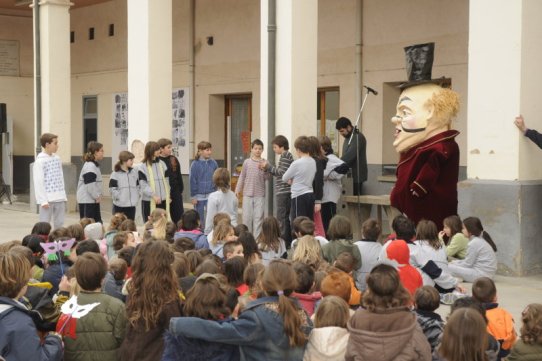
column 180, row 103
column 120, row 125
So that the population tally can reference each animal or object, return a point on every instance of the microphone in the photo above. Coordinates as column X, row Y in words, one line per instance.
column 371, row 90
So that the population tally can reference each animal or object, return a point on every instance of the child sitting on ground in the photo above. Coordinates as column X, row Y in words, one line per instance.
column 305, row 282
column 529, row 346
column 340, row 234
column 304, row 226
column 218, row 218
column 232, row 249
column 453, row 237
column 398, row 254
column 19, row 339
column 234, row 270
column 114, row 279
column 369, row 248
column 500, row 323
column 205, row 300
column 270, row 328
column 269, row 242
column 385, row 328
column 427, row 300
column 189, row 227
column 100, row 330
column 308, row 251
column 222, row 233
column 329, row 336
column 345, row 263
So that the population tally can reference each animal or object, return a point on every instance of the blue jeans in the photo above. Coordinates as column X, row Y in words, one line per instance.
column 201, row 208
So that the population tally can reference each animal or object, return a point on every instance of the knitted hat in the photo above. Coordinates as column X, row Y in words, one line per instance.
column 94, row 231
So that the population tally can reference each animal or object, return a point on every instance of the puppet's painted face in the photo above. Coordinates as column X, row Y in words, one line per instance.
column 414, row 120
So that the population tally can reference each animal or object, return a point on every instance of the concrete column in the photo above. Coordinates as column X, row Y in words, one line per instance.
column 504, row 185
column 56, row 72
column 296, row 59
column 149, row 69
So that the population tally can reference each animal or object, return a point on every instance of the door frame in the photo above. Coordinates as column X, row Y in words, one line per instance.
column 227, row 122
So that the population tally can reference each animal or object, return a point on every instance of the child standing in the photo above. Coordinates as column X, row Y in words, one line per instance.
column 153, row 179
column 529, row 346
column 385, row 328
column 176, row 185
column 152, row 300
column 89, row 187
column 201, row 178
column 332, row 183
column 124, row 185
column 318, row 183
column 49, row 182
column 269, row 242
column 500, row 323
column 252, row 184
column 221, row 201
column 329, row 337
column 282, row 189
column 300, row 176
column 270, row 328
column 480, row 260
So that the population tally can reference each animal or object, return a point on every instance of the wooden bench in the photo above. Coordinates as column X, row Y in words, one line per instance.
column 359, row 209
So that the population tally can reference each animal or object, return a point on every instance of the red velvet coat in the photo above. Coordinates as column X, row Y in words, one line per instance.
column 431, row 170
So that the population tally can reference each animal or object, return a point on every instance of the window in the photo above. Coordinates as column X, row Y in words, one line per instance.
column 328, row 113
column 90, row 120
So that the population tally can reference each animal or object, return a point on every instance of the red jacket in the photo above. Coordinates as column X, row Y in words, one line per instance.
column 431, row 170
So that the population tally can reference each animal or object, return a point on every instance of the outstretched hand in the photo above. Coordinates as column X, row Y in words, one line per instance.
column 520, row 123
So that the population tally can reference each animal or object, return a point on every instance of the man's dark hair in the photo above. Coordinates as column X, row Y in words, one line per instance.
column 343, row 123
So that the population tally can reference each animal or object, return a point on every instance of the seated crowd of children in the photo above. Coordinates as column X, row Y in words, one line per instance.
column 175, row 293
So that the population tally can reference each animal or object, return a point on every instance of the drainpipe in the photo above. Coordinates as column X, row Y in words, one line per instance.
column 192, row 73
column 358, row 56
column 271, row 51
column 37, row 73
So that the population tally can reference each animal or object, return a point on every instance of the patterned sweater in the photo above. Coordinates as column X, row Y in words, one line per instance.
column 278, row 171
column 252, row 179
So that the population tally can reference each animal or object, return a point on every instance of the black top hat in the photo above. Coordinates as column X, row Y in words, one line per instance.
column 419, row 64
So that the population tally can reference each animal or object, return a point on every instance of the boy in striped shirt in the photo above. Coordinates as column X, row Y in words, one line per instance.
column 282, row 189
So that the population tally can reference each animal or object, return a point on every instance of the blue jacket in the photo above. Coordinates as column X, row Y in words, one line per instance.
column 259, row 332
column 201, row 176
column 191, row 349
column 19, row 339
column 200, row 239
column 53, row 274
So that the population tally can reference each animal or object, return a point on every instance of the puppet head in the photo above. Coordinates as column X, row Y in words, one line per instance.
column 422, row 112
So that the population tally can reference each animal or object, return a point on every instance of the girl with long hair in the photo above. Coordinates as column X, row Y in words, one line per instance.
column 385, row 328
column 269, row 242
column 480, row 260
column 223, row 200
column 309, row 252
column 124, row 185
column 205, row 300
column 250, row 248
column 270, row 328
column 431, row 258
column 89, row 186
column 529, row 346
column 453, row 237
column 316, row 152
column 154, row 181
column 152, row 300
column 464, row 337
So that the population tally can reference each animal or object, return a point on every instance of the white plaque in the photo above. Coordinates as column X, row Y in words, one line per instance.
column 9, row 57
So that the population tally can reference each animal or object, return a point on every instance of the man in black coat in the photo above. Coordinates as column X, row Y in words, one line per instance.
column 354, row 155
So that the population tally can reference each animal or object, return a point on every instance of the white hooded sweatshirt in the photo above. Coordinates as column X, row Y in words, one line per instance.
column 326, row 344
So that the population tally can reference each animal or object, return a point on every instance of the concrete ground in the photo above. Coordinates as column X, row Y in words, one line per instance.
column 514, row 293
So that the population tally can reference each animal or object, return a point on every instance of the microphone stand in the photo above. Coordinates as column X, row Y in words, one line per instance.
column 354, row 131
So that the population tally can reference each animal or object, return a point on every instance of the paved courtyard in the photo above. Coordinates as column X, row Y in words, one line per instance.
column 514, row 293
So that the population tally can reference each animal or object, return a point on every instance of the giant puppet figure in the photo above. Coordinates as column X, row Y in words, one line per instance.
column 428, row 167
